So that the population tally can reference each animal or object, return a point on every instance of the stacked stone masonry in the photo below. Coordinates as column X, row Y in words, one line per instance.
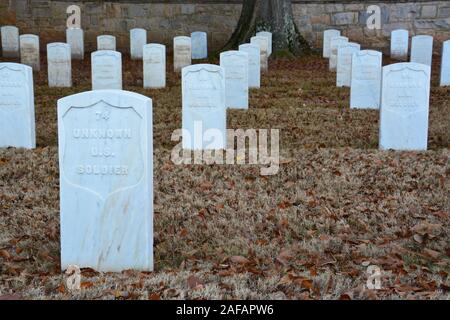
column 167, row 19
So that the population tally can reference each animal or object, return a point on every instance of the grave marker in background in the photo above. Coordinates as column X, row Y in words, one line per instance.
column 59, row 61
column 344, row 63
column 106, row 70
column 154, row 66
column 399, row 44
column 365, row 90
column 204, row 111
column 138, row 39
column 199, row 45
column 404, row 106
column 182, row 53
column 422, row 49
column 29, row 51
column 17, row 123
column 445, row 65
column 10, row 41
column 335, row 43
column 254, row 64
column 268, row 35
column 327, row 36
column 75, row 38
column 263, row 44
column 106, row 42
column 235, row 64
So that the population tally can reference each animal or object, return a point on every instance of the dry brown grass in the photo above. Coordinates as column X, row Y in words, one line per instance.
column 336, row 205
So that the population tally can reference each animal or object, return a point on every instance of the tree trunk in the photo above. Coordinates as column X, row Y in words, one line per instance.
column 269, row 15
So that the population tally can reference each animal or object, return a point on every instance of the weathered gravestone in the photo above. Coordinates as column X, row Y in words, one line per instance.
column 344, row 63
column 263, row 44
column 365, row 90
column 235, row 64
column 106, row 180
column 254, row 64
column 10, row 41
column 445, row 65
column 399, row 44
column 404, row 106
column 59, row 63
column 204, row 111
column 422, row 49
column 154, row 66
column 17, row 126
column 199, row 45
column 182, row 53
column 138, row 39
column 29, row 51
column 106, row 42
column 268, row 35
column 75, row 38
column 327, row 36
column 335, row 44
column 106, row 70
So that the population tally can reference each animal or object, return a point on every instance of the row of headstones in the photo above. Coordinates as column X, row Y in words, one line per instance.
column 421, row 52
column 400, row 90
column 106, row 158
column 107, row 62
column 12, row 41
column 244, row 67
column 243, row 71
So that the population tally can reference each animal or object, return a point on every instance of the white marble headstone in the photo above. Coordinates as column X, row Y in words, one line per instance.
column 422, row 49
column 17, row 125
column 404, row 106
column 445, row 65
column 335, row 44
column 365, row 92
column 199, row 45
column 29, row 51
column 204, row 111
column 254, row 62
column 10, row 41
column 399, row 44
column 106, row 42
column 327, row 36
column 106, row 70
column 263, row 44
column 106, row 181
column 344, row 63
column 269, row 36
column 138, row 38
column 235, row 64
column 59, row 63
column 154, row 66
column 75, row 38
column 182, row 53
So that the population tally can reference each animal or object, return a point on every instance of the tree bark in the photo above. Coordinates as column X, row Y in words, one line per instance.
column 269, row 15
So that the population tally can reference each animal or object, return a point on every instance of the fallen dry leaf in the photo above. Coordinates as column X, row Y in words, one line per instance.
column 194, row 282
column 5, row 254
column 239, row 260
column 432, row 253
column 285, row 256
column 86, row 285
column 426, row 228
column 418, row 238
column 154, row 296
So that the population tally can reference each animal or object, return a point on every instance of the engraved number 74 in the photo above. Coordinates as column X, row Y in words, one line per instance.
column 102, row 115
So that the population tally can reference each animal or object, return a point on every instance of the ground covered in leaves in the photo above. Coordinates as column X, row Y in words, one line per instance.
column 337, row 205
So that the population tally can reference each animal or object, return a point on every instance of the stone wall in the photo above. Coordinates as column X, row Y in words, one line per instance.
column 419, row 17
column 166, row 19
